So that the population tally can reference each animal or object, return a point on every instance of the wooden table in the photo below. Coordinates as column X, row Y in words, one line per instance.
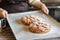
column 7, row 34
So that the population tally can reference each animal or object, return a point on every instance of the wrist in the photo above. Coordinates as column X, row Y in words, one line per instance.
column 41, row 4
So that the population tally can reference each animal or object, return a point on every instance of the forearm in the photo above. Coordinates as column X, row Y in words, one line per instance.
column 38, row 4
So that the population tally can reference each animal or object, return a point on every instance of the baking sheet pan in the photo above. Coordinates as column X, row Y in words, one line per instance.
column 22, row 33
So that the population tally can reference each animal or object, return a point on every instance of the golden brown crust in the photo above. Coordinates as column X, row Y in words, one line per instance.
column 38, row 31
column 29, row 19
column 39, row 28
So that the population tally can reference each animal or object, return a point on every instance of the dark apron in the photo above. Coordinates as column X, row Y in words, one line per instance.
column 14, row 5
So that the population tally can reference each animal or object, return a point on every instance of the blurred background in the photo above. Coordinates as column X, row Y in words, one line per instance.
column 54, row 8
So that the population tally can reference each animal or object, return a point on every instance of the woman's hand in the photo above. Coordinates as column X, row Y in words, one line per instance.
column 3, row 13
column 44, row 9
column 40, row 5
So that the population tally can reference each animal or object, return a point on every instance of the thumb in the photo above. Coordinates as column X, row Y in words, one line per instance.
column 4, row 14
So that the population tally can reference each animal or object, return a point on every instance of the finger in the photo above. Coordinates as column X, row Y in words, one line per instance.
column 3, row 15
column 6, row 14
column 46, row 11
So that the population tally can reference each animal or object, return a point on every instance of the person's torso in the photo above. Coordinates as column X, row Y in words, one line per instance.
column 13, row 1
column 16, row 1
column 14, row 5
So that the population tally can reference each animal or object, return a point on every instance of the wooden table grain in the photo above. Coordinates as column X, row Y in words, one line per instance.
column 6, row 34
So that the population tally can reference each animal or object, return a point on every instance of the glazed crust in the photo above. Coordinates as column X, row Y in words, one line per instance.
column 29, row 19
column 39, row 28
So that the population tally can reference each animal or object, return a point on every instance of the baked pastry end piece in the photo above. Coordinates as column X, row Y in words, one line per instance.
column 39, row 27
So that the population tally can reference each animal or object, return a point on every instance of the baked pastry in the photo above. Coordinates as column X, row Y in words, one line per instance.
column 37, row 27
column 29, row 19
